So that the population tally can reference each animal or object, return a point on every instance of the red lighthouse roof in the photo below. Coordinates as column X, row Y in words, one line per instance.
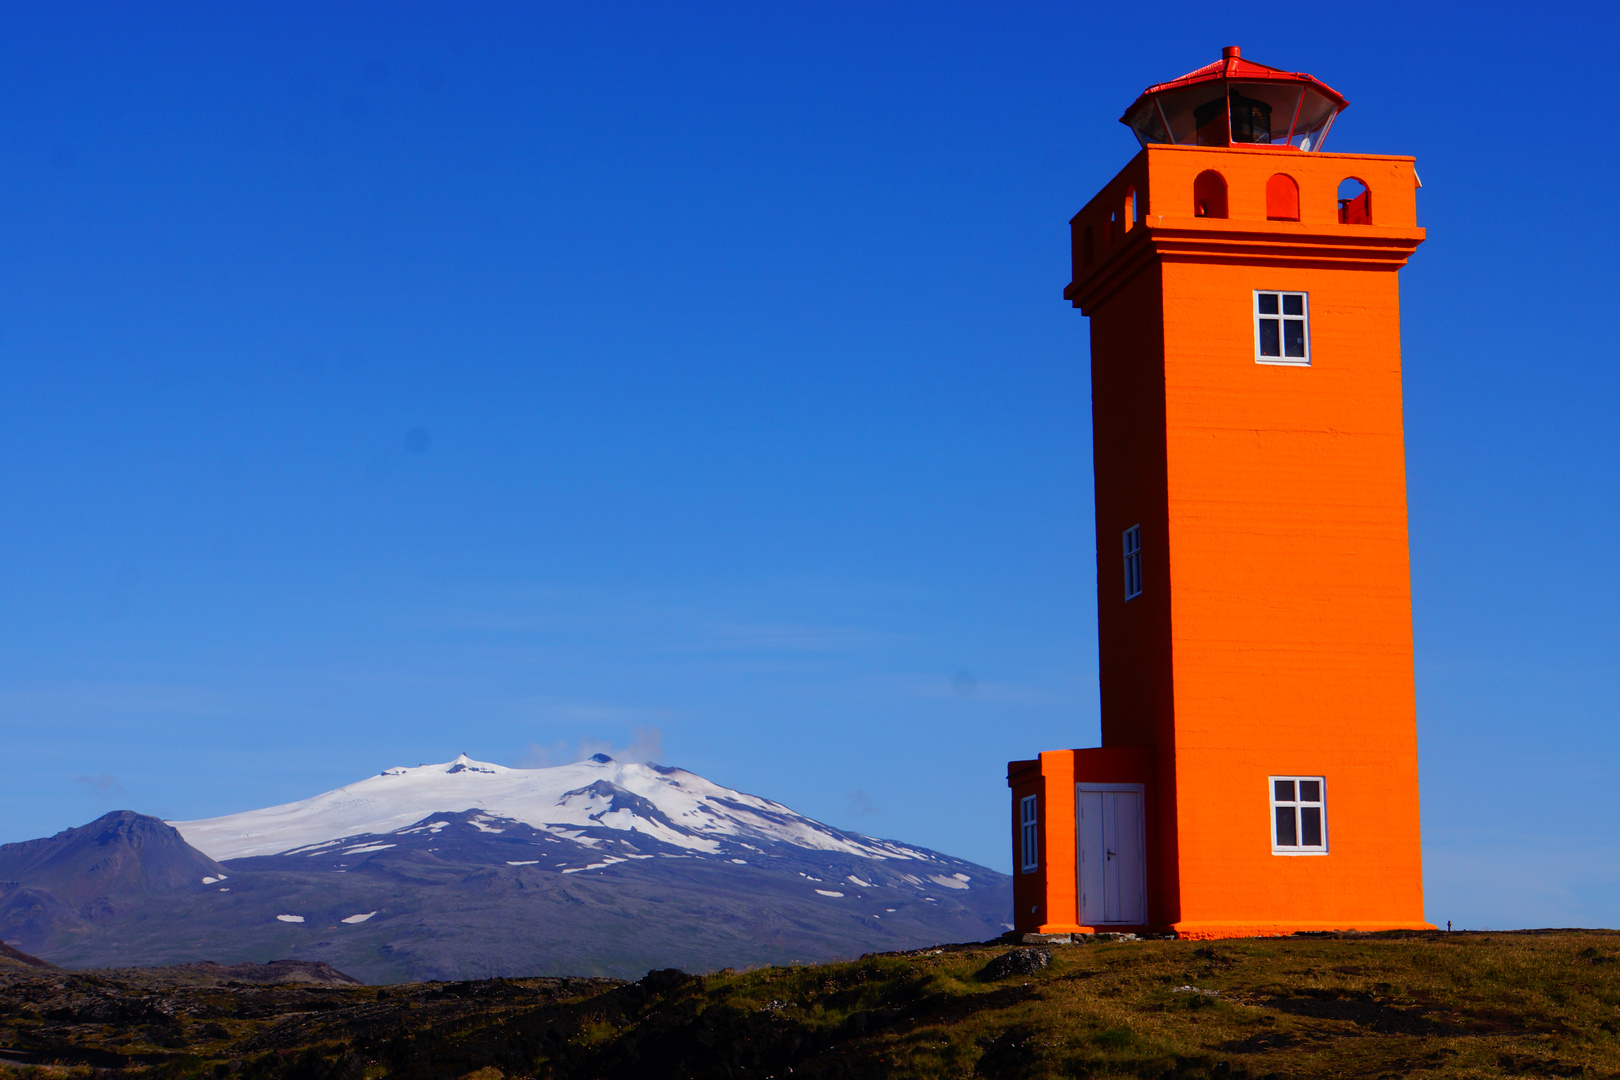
column 1233, row 102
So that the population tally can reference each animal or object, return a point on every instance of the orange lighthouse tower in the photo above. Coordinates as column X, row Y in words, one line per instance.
column 1258, row 768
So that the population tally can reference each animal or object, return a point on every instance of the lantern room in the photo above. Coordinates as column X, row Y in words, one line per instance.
column 1236, row 102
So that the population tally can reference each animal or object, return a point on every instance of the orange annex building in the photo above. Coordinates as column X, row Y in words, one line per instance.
column 1258, row 768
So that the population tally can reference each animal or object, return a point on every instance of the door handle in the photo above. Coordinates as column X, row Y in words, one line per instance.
column 1110, row 854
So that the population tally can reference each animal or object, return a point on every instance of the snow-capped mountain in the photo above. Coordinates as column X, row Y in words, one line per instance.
column 468, row 870
column 668, row 806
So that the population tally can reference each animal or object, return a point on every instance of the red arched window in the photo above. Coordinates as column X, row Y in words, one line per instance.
column 1282, row 198
column 1209, row 194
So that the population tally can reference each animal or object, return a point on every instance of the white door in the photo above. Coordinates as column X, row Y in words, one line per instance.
column 1108, row 826
column 1089, row 830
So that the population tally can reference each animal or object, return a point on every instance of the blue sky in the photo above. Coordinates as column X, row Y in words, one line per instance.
column 390, row 381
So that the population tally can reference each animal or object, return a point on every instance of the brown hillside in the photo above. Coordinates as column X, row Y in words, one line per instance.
column 15, row 960
column 1433, row 1005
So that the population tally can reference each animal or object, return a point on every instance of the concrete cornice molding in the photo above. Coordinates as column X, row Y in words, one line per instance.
column 1164, row 239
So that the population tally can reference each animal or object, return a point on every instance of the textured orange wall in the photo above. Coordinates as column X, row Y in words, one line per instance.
column 1292, row 608
column 1134, row 650
column 1129, row 448
column 1274, row 633
column 1060, row 874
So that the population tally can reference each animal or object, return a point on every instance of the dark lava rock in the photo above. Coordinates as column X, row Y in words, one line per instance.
column 663, row 980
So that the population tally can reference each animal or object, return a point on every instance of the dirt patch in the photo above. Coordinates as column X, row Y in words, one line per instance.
column 1259, row 1044
column 1361, row 1009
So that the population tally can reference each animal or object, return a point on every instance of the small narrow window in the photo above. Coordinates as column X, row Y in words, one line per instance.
column 1281, row 328
column 1029, row 841
column 1133, row 562
column 1298, row 815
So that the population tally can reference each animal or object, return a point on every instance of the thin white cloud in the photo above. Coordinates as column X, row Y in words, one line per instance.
column 646, row 745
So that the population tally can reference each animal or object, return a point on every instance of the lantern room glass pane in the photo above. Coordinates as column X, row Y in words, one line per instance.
column 1209, row 122
column 1315, row 111
column 1262, row 112
column 1206, row 114
column 1148, row 125
column 1179, row 107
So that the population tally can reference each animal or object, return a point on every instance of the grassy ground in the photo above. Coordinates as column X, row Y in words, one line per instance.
column 1430, row 1005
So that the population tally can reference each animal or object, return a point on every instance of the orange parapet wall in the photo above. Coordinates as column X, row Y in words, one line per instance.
column 1257, row 686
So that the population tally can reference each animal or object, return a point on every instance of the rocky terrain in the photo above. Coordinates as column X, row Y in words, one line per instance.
column 1391, row 1005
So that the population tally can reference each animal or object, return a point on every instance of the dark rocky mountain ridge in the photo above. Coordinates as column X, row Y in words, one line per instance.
column 119, row 855
column 93, row 875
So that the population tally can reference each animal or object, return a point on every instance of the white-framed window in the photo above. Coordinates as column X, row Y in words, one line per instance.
column 1133, row 562
column 1298, row 815
column 1282, row 330
column 1029, row 840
